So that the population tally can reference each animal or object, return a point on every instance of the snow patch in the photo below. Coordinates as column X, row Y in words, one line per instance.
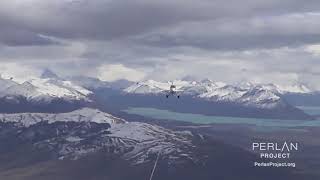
column 81, row 115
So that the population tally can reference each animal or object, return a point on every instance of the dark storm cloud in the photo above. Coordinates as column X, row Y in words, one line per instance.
column 105, row 20
column 13, row 35
column 95, row 20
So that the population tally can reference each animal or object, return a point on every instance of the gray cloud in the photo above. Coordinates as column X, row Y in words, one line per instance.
column 105, row 19
column 255, row 40
column 96, row 19
column 238, row 33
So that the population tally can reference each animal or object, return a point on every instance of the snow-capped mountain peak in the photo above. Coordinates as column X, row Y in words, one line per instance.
column 295, row 88
column 47, row 73
column 5, row 83
column 25, row 89
column 280, row 89
column 43, row 89
column 258, row 96
column 147, row 87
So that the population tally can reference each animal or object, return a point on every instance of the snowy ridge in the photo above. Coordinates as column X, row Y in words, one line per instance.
column 59, row 89
column 5, row 83
column 258, row 96
column 81, row 115
column 146, row 87
column 262, row 98
column 44, row 90
column 150, row 139
column 95, row 131
column 294, row 88
column 188, row 87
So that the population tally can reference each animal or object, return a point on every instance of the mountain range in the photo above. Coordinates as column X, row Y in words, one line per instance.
column 69, row 129
column 51, row 93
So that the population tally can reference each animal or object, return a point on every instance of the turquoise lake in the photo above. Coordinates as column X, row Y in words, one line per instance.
column 312, row 110
column 204, row 119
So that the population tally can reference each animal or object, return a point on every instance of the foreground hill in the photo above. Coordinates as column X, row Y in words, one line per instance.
column 89, row 144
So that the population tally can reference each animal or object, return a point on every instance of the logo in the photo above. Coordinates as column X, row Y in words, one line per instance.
column 275, row 150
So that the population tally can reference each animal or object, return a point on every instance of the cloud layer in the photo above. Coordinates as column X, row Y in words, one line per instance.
column 225, row 40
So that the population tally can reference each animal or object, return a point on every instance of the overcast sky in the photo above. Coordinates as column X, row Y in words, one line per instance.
column 275, row 41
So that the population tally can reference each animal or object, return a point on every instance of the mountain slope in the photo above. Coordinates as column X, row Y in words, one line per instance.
column 85, row 131
column 89, row 144
column 253, row 96
column 45, row 94
column 54, row 94
column 213, row 98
